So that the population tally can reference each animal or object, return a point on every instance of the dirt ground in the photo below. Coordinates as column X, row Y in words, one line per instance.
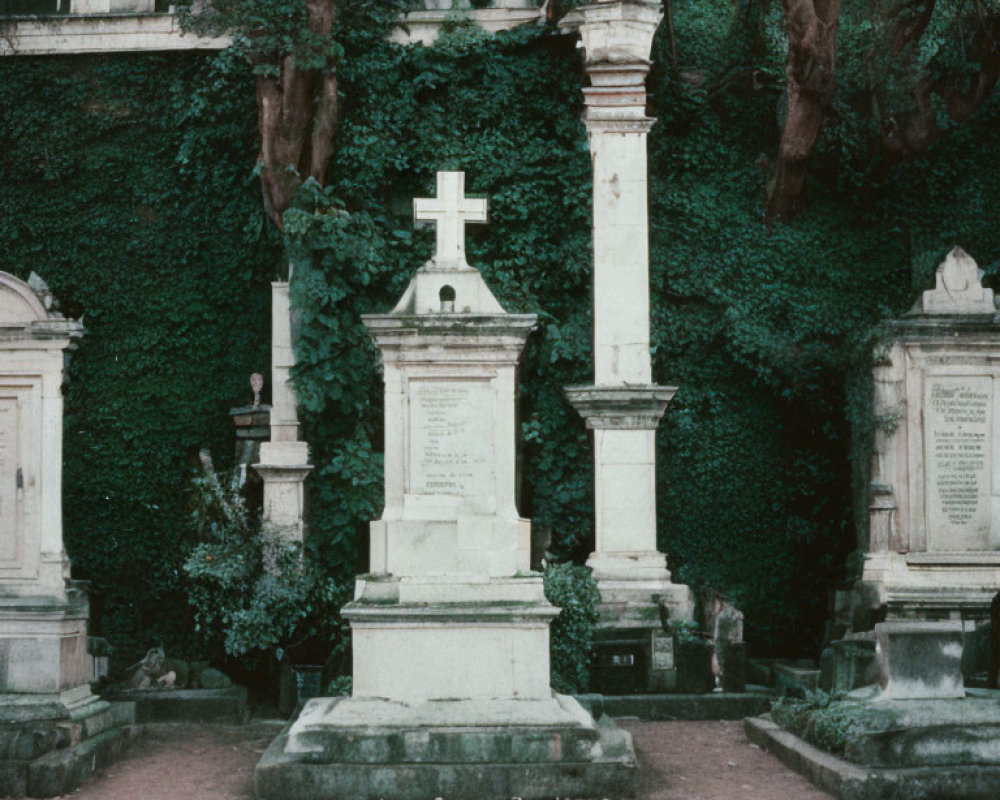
column 680, row 761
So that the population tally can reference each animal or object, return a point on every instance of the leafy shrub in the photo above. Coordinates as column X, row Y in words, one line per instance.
column 255, row 593
column 574, row 590
column 821, row 718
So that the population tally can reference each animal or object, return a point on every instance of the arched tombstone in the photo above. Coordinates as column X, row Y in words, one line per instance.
column 43, row 627
column 45, row 696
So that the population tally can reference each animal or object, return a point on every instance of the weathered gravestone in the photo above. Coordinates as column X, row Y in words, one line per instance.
column 934, row 513
column 451, row 694
column 53, row 731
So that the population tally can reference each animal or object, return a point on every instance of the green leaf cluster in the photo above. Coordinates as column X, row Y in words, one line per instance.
column 255, row 593
column 574, row 590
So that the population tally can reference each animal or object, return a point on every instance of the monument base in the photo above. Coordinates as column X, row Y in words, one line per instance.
column 632, row 651
column 51, row 743
column 373, row 749
column 930, row 585
column 928, row 749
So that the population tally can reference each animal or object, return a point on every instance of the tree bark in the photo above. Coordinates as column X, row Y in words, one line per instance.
column 911, row 134
column 810, row 68
column 298, row 112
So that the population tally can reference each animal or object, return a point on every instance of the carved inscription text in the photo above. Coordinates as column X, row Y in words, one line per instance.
column 958, row 415
column 450, row 437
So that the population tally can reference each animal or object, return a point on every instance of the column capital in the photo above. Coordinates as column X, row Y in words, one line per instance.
column 621, row 407
column 616, row 31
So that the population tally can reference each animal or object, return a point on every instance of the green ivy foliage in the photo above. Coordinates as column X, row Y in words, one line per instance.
column 127, row 183
column 573, row 589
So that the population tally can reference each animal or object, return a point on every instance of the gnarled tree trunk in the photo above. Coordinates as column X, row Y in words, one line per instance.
column 298, row 113
column 910, row 134
column 811, row 66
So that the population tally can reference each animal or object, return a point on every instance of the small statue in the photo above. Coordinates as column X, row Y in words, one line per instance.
column 257, row 384
column 151, row 672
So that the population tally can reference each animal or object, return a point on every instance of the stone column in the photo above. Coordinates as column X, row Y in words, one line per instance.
column 623, row 407
column 284, row 461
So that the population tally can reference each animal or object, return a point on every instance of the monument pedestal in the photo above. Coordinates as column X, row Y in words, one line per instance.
column 372, row 749
column 632, row 651
column 53, row 731
column 933, row 549
column 451, row 695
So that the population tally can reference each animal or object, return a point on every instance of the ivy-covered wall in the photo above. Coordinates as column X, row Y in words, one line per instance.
column 127, row 183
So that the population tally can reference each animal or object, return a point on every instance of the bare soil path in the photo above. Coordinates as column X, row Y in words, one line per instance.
column 680, row 761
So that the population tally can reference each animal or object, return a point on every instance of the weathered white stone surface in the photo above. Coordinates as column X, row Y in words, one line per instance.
column 43, row 628
column 99, row 33
column 623, row 408
column 934, row 508
column 284, row 461
column 958, row 288
column 423, row 26
column 920, row 660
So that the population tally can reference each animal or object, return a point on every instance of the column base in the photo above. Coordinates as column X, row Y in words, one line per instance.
column 283, row 468
column 634, row 586
column 363, row 749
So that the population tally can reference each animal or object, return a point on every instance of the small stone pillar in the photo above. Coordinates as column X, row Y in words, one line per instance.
column 623, row 407
column 284, row 461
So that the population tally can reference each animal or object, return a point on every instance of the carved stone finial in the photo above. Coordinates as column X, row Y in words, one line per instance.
column 959, row 288
column 41, row 288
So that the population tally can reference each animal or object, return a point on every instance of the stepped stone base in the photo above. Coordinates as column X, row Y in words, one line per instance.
column 50, row 744
column 370, row 749
column 912, row 749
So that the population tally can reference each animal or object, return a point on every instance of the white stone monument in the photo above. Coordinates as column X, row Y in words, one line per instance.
column 623, row 407
column 44, row 664
column 284, row 461
column 933, row 546
column 451, row 694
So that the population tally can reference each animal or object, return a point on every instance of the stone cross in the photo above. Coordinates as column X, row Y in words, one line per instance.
column 449, row 211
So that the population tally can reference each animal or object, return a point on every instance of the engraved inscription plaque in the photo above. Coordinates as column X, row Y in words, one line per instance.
column 958, row 450
column 450, row 441
column 9, row 518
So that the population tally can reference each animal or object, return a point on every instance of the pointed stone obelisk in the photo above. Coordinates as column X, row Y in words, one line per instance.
column 623, row 407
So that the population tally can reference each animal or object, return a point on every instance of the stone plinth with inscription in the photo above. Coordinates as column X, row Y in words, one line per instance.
column 450, row 630
column 45, row 698
column 934, row 504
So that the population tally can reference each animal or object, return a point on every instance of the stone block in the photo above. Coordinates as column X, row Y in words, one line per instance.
column 186, row 705
column 920, row 659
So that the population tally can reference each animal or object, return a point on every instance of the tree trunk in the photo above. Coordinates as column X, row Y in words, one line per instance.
column 909, row 135
column 810, row 68
column 298, row 113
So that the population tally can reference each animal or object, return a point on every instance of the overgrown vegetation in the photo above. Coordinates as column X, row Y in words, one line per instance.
column 256, row 595
column 822, row 719
column 574, row 590
column 127, row 183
